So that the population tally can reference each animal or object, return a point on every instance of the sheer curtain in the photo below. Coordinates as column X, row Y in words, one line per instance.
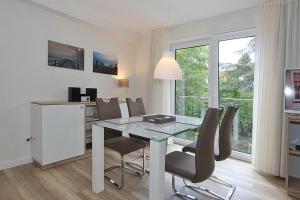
column 276, row 38
column 292, row 60
column 159, row 92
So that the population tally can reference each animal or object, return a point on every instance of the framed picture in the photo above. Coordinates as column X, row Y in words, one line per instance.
column 106, row 64
column 296, row 86
column 292, row 90
column 65, row 56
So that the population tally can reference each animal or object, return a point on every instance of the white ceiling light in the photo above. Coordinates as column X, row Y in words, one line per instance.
column 168, row 68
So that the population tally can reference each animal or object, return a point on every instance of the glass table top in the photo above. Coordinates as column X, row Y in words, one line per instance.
column 128, row 120
column 157, row 132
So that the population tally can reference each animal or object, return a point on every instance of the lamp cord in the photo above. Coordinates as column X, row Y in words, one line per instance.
column 169, row 12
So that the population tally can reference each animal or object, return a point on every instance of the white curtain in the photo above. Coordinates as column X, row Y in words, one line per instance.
column 159, row 92
column 275, row 35
column 293, row 34
column 292, row 61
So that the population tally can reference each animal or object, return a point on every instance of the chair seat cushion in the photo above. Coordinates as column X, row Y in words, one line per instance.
column 124, row 145
column 139, row 138
column 181, row 164
column 191, row 148
column 111, row 133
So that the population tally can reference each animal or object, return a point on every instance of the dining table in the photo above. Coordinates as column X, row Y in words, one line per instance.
column 158, row 134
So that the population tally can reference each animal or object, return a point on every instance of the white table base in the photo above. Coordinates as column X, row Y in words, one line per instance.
column 157, row 170
column 98, row 159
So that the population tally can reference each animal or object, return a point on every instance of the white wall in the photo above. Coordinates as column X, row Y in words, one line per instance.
column 143, row 53
column 25, row 76
column 206, row 28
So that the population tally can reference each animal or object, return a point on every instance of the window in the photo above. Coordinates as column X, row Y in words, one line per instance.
column 191, row 93
column 217, row 72
column 236, row 77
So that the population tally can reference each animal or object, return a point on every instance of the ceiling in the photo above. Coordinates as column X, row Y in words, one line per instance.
column 136, row 17
column 143, row 15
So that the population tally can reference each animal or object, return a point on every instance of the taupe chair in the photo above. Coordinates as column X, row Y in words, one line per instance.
column 136, row 108
column 224, row 147
column 199, row 167
column 120, row 144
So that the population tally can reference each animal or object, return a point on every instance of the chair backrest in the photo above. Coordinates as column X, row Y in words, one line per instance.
column 225, row 133
column 204, row 155
column 135, row 108
column 108, row 110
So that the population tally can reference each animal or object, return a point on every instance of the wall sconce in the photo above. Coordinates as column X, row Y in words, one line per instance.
column 123, row 82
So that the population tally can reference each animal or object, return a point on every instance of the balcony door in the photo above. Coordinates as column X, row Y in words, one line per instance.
column 236, row 80
column 191, row 93
column 218, row 72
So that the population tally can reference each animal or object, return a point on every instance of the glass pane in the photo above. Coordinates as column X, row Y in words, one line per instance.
column 147, row 130
column 192, row 91
column 236, row 76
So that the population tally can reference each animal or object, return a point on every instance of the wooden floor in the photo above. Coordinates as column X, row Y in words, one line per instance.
column 73, row 182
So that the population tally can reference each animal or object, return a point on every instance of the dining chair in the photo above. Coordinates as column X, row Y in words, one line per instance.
column 120, row 144
column 199, row 167
column 224, row 146
column 136, row 108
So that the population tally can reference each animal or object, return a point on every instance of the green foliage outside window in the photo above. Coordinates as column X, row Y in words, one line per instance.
column 235, row 87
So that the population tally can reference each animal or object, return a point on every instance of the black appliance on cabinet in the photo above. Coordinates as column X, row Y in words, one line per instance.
column 92, row 93
column 74, row 94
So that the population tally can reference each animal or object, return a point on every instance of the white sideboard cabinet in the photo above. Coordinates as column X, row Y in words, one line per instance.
column 62, row 130
column 58, row 132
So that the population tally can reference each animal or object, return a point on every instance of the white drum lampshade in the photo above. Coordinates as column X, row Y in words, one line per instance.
column 168, row 68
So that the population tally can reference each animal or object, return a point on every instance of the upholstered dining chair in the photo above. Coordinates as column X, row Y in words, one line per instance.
column 199, row 167
column 224, row 146
column 136, row 108
column 120, row 144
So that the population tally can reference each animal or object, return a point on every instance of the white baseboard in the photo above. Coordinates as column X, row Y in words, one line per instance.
column 14, row 163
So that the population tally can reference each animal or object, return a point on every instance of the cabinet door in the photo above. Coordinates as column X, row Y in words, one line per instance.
column 63, row 132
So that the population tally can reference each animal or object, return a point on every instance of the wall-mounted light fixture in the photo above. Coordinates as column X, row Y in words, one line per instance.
column 123, row 82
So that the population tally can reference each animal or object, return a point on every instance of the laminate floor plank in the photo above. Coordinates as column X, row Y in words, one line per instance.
column 8, row 191
column 72, row 181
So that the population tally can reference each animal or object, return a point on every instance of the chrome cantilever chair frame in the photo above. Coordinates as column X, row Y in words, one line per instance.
column 194, row 188
column 124, row 167
column 179, row 193
column 136, row 166
column 217, row 180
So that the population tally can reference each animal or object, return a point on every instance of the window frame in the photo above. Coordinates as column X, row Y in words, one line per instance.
column 217, row 40
column 213, row 77
column 185, row 45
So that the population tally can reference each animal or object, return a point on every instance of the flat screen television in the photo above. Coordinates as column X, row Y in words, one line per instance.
column 292, row 90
